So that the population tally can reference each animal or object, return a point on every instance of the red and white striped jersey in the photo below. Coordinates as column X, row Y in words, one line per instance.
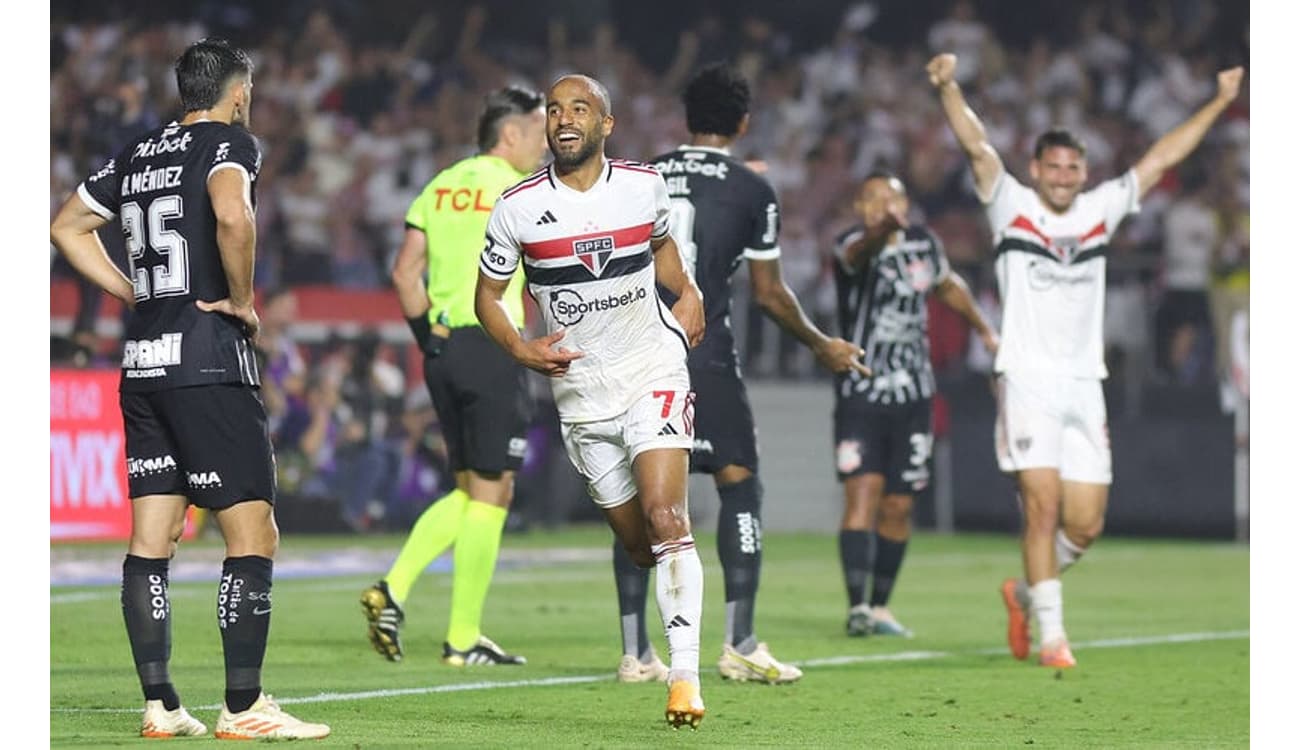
column 1051, row 272
column 590, row 268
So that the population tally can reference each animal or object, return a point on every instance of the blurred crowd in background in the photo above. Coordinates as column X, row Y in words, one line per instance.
column 358, row 104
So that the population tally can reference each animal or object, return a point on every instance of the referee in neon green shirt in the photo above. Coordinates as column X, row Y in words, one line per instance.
column 478, row 391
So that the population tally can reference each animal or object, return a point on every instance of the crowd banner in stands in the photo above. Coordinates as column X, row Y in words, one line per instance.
column 88, row 492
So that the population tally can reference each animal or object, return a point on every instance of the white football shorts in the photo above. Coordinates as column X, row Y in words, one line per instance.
column 1053, row 422
column 603, row 451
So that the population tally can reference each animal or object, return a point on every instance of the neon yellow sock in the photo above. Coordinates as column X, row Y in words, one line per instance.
column 434, row 531
column 475, row 560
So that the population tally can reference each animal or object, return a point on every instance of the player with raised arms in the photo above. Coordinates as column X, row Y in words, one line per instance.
column 1051, row 241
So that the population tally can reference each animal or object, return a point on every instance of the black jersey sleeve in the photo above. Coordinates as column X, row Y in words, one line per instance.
column 100, row 191
column 842, row 243
column 765, row 223
column 237, row 148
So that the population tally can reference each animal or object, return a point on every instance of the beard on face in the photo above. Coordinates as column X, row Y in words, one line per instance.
column 570, row 160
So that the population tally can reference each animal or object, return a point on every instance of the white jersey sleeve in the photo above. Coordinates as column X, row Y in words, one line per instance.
column 1007, row 200
column 501, row 249
column 1118, row 198
column 661, row 209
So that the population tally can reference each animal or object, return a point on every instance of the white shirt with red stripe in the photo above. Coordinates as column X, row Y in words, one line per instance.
column 590, row 268
column 1051, row 272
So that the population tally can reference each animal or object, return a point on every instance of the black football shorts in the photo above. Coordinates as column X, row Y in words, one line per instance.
column 895, row 440
column 724, row 423
column 207, row 442
column 481, row 396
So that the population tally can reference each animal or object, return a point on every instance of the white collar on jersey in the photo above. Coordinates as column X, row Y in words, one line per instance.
column 714, row 149
column 606, row 167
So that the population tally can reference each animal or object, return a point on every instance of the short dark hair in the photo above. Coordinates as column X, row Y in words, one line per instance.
column 204, row 70
column 1058, row 137
column 716, row 99
column 500, row 104
column 884, row 174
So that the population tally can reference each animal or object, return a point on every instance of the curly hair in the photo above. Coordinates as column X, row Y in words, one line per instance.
column 716, row 99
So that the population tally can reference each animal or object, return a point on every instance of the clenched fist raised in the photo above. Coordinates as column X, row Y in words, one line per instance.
column 941, row 69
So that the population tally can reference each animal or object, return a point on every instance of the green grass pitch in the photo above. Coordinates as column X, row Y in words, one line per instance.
column 1160, row 630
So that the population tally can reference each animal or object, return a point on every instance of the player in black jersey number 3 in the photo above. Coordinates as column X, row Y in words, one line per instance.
column 884, row 271
column 195, row 426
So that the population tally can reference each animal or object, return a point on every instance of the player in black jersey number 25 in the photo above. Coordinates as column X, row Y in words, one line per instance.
column 195, row 426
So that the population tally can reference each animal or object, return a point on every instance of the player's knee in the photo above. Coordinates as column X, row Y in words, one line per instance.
column 152, row 543
column 895, row 510
column 262, row 540
column 1084, row 533
column 178, row 530
column 1041, row 518
column 668, row 522
column 270, row 539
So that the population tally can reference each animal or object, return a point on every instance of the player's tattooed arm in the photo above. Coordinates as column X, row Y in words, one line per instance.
column 689, row 308
column 73, row 232
column 984, row 159
column 535, row 354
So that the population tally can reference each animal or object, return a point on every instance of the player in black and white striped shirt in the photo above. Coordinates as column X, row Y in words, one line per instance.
column 884, row 271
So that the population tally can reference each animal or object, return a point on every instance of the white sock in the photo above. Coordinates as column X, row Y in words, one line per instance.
column 1049, row 610
column 679, row 590
column 1067, row 552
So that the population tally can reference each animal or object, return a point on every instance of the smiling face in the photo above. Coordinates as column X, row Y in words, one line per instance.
column 577, row 121
column 1059, row 173
column 879, row 195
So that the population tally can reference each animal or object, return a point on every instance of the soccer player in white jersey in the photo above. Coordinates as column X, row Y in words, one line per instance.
column 1051, row 242
column 592, row 234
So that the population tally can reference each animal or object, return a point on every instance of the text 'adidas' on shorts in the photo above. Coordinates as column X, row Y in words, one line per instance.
column 603, row 451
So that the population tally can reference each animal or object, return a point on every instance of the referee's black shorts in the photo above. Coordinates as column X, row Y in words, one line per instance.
column 209, row 443
column 481, row 396
column 724, row 423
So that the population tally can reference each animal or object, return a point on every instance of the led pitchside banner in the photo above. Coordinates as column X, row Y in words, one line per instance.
column 88, row 492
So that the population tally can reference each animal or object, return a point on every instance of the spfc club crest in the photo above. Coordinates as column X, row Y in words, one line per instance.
column 1066, row 247
column 594, row 252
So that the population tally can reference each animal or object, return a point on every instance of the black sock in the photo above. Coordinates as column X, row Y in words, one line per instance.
column 855, row 560
column 632, row 583
column 889, row 558
column 146, row 607
column 740, row 549
column 244, row 614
